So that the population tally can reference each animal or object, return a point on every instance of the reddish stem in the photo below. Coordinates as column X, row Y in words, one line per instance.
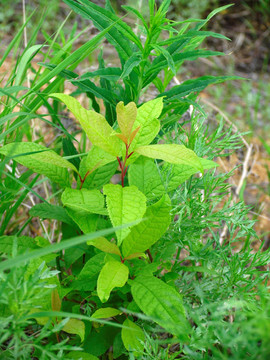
column 83, row 180
column 150, row 255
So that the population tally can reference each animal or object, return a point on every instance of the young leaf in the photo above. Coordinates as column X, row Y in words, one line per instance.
column 75, row 326
column 113, row 274
column 172, row 153
column 95, row 159
column 133, row 337
column 103, row 244
column 99, row 132
column 41, row 160
column 145, row 234
column 126, row 116
column 124, row 205
column 105, row 313
column 161, row 302
column 147, row 121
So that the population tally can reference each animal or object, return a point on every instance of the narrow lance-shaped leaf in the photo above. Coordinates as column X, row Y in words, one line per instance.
column 124, row 205
column 99, row 132
column 113, row 274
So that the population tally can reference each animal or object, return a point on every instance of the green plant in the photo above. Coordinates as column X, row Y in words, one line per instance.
column 166, row 197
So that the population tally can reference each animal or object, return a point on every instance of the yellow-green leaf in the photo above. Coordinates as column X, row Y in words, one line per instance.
column 126, row 116
column 113, row 274
column 147, row 116
column 41, row 160
column 146, row 233
column 172, row 153
column 95, row 159
column 125, row 205
column 133, row 337
column 99, row 132
column 75, row 326
column 80, row 355
column 103, row 244
column 56, row 301
column 105, row 313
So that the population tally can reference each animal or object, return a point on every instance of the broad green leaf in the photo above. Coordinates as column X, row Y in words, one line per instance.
column 113, row 274
column 56, row 247
column 41, row 160
column 89, row 201
column 99, row 132
column 105, row 313
column 172, row 153
column 208, row 164
column 48, row 211
column 82, row 206
column 95, row 159
column 75, row 326
column 144, row 174
column 126, row 116
column 87, row 278
column 23, row 243
column 124, row 205
column 175, row 175
column 133, row 337
column 80, row 355
column 145, row 234
column 103, row 244
column 147, row 115
column 101, row 176
column 161, row 302
column 99, row 342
